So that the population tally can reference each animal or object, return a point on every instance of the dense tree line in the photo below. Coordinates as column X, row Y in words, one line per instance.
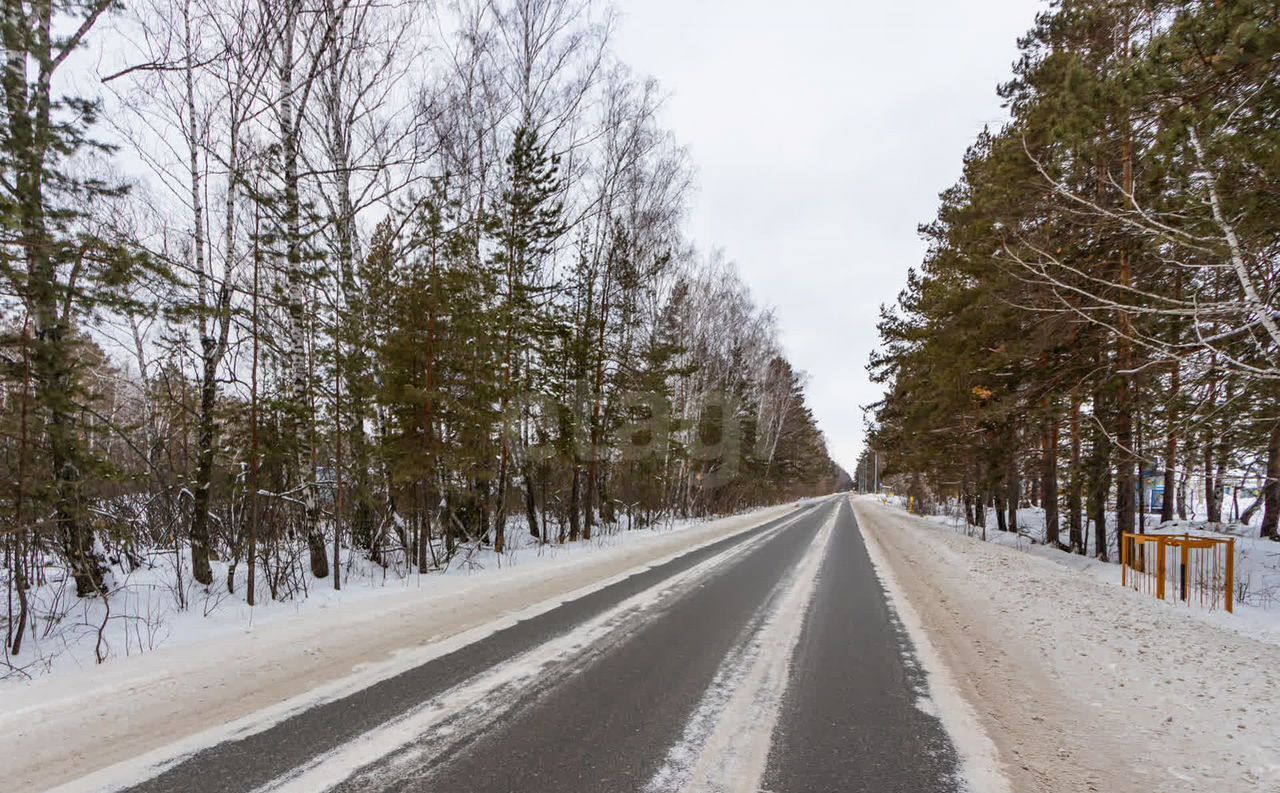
column 393, row 278
column 1099, row 294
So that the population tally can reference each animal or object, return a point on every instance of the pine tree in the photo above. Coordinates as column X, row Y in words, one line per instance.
column 526, row 225
column 62, row 269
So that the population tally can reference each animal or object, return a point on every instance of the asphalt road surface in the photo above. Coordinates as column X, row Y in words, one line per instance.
column 769, row 661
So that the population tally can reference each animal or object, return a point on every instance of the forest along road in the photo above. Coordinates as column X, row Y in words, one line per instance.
column 771, row 660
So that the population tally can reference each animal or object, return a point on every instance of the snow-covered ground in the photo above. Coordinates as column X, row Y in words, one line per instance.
column 1084, row 685
column 1257, row 590
column 153, row 604
column 239, row 669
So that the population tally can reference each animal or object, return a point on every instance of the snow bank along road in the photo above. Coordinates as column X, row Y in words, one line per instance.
column 768, row 660
column 1083, row 685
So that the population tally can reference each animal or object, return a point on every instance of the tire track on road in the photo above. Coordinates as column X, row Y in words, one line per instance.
column 248, row 762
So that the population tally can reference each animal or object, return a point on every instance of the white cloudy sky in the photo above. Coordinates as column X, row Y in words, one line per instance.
column 823, row 131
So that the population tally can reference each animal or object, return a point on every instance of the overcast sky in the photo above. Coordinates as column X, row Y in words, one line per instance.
column 823, row 131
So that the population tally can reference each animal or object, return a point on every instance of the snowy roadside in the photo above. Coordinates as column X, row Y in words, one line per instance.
column 154, row 603
column 1257, row 595
column 1081, row 684
column 236, row 676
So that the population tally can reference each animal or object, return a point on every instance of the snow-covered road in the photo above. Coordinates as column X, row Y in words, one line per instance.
column 792, row 650
column 768, row 658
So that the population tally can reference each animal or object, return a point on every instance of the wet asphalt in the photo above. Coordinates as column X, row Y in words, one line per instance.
column 602, row 718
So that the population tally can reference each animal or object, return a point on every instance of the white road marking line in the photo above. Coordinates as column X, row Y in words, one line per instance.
column 469, row 700
column 726, row 742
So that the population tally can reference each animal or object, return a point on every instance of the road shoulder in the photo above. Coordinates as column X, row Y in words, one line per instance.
column 1067, row 675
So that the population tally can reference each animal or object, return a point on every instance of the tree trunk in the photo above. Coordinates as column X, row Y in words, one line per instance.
column 19, row 579
column 1212, row 487
column 1184, row 480
column 979, row 495
column 504, row 461
column 1168, row 500
column 423, row 545
column 607, row 516
column 1271, row 488
column 530, row 502
column 209, row 352
column 1075, row 491
column 1013, row 493
column 300, row 396
column 21, row 583
column 1049, row 481
column 1126, row 459
column 1126, row 480
column 200, row 546
column 252, row 553
column 337, row 466
column 1220, row 477
column 1168, row 503
column 1099, row 487
column 575, row 498
column 597, row 397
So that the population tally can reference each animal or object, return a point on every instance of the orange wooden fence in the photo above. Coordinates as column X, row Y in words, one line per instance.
column 1196, row 570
